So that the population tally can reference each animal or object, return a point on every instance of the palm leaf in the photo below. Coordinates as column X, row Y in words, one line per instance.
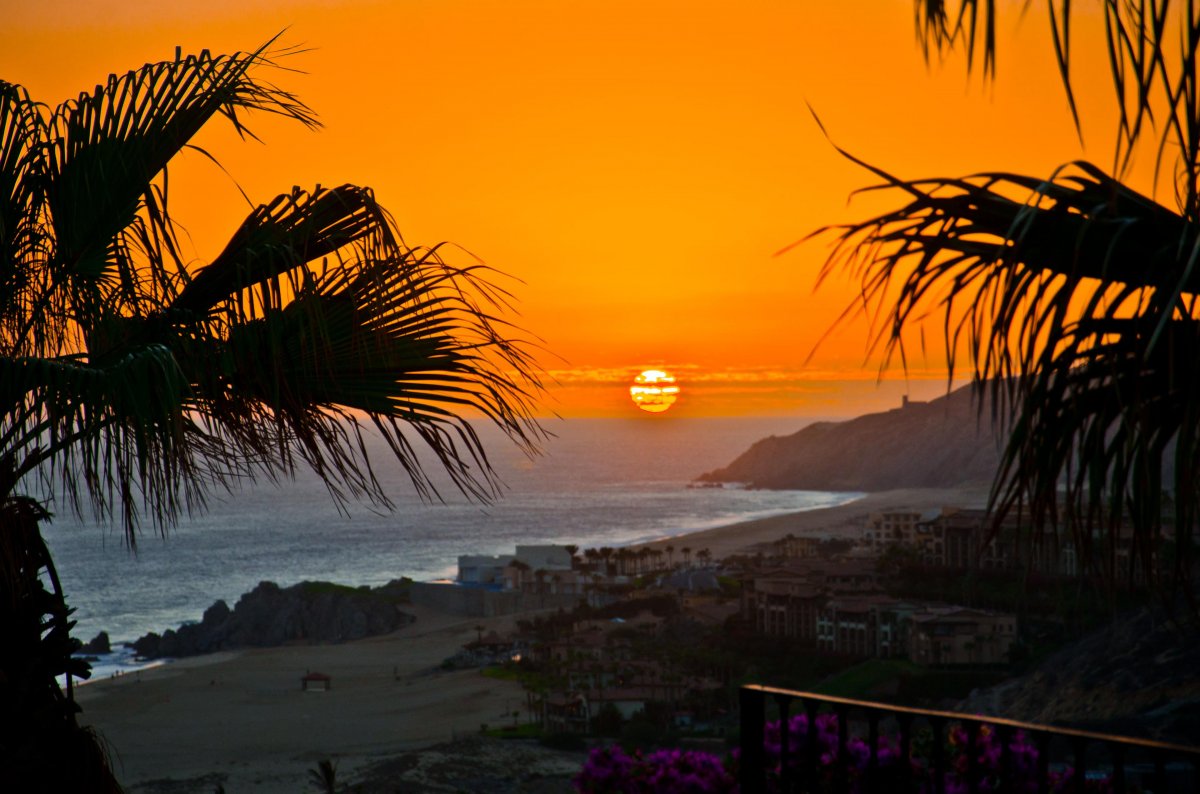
column 23, row 236
column 109, row 145
column 315, row 311
column 289, row 233
column 1153, row 49
column 103, row 432
column 1074, row 297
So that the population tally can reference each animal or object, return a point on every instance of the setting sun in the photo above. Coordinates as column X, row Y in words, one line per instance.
column 654, row 391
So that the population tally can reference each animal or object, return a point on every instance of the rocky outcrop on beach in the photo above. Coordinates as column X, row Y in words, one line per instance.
column 309, row 612
column 943, row 443
column 97, row 645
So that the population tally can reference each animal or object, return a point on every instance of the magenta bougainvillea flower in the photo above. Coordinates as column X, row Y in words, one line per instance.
column 610, row 770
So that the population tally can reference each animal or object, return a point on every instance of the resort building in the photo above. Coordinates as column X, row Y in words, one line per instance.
column 784, row 601
column 838, row 611
column 959, row 636
column 893, row 527
column 543, row 569
column 475, row 569
column 968, row 538
column 864, row 626
column 783, row 605
column 546, row 558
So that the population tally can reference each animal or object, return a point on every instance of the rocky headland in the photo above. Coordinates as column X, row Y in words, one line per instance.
column 943, row 443
column 270, row 615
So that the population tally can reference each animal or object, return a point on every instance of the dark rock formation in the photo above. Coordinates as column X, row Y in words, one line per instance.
column 310, row 612
column 99, row 644
column 940, row 444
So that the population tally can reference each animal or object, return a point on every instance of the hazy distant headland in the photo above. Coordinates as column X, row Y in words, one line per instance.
column 943, row 443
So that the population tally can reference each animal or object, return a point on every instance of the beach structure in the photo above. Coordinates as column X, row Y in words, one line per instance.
column 479, row 569
column 496, row 570
column 545, row 557
column 535, row 577
column 316, row 682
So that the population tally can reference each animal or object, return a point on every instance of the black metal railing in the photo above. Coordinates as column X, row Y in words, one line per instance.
column 803, row 742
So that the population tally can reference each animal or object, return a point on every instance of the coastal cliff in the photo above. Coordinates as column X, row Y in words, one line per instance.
column 309, row 612
column 939, row 444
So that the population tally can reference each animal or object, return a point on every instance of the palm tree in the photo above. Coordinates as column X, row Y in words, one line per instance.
column 1074, row 294
column 591, row 555
column 658, row 555
column 324, row 776
column 522, row 568
column 135, row 384
column 606, row 553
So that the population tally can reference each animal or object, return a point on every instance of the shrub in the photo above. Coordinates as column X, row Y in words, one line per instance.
column 611, row 771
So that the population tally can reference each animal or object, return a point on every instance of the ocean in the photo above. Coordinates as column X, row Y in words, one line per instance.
column 601, row 482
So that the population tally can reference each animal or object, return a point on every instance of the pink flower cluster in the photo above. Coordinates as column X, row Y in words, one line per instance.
column 612, row 771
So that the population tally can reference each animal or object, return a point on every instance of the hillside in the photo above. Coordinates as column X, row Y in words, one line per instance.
column 942, row 443
column 1138, row 677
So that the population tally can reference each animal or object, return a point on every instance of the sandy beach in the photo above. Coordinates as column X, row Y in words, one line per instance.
column 240, row 719
column 843, row 521
column 243, row 716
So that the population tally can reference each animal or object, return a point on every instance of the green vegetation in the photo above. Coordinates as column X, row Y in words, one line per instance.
column 867, row 679
column 321, row 588
column 502, row 672
column 526, row 730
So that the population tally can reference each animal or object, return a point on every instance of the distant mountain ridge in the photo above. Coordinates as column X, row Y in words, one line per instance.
column 943, row 443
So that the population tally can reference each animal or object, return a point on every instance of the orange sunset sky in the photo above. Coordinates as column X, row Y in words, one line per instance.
column 636, row 164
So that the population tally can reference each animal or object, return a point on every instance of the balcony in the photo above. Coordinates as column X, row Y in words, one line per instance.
column 862, row 746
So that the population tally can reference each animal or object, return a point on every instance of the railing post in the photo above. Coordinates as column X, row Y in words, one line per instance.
column 1117, row 753
column 1007, row 773
column 971, row 729
column 752, row 774
column 1160, row 772
column 812, row 752
column 1043, row 762
column 939, row 754
column 905, row 748
column 872, row 751
column 842, row 771
column 785, row 754
column 1079, row 746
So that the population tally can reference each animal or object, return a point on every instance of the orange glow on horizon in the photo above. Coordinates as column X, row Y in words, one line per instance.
column 636, row 166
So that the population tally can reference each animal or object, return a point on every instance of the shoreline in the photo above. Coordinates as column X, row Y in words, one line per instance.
column 747, row 537
column 449, row 571
column 739, row 537
column 239, row 718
